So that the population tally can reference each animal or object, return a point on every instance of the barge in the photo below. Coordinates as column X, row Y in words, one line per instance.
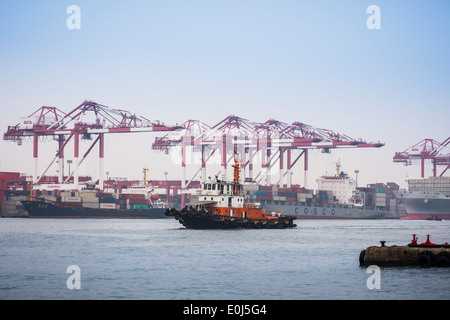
column 426, row 254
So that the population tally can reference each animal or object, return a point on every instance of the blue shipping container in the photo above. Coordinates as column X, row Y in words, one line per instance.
column 107, row 200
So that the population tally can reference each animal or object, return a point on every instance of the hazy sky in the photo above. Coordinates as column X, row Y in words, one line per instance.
column 315, row 62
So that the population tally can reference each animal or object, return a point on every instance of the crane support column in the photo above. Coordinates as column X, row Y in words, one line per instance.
column 35, row 156
column 224, row 155
column 203, row 165
column 281, row 167
column 76, row 151
column 289, row 166
column 101, row 160
column 183, row 172
column 306, row 168
column 61, row 158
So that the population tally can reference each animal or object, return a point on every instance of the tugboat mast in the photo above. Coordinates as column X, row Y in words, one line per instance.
column 236, row 182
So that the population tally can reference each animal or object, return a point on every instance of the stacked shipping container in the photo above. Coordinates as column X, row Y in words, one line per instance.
column 294, row 194
column 440, row 184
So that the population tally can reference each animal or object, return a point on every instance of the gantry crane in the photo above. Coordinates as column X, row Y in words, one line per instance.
column 273, row 141
column 87, row 120
column 427, row 149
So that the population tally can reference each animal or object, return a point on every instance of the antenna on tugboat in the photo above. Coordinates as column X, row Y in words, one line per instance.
column 236, row 180
column 144, row 170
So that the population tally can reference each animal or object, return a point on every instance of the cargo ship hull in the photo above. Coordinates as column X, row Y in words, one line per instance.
column 426, row 208
column 317, row 212
column 45, row 209
column 426, row 199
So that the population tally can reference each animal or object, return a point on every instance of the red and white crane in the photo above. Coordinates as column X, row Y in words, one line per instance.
column 89, row 118
column 267, row 143
column 273, row 141
column 427, row 149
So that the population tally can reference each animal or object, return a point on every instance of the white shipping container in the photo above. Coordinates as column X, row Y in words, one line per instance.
column 89, row 200
column 380, row 195
column 91, row 205
column 85, row 194
column 17, row 198
column 107, row 206
column 251, row 187
column 50, row 198
column 70, row 199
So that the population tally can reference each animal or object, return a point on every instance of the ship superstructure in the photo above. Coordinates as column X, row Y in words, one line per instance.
column 342, row 187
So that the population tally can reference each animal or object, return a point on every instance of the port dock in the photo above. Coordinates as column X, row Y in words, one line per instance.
column 426, row 254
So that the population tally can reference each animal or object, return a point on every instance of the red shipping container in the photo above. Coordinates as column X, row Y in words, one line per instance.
column 72, row 204
column 104, row 195
column 138, row 201
column 131, row 196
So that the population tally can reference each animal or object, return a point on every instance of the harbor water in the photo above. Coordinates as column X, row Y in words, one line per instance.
column 158, row 259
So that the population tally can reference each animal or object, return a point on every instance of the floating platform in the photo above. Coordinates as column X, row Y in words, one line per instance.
column 426, row 254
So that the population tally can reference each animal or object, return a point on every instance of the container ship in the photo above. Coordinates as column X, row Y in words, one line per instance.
column 137, row 202
column 426, row 199
column 337, row 198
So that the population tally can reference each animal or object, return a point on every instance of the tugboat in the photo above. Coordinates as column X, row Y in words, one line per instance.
column 433, row 218
column 221, row 205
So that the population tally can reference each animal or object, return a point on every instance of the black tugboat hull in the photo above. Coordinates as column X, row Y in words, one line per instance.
column 193, row 219
column 44, row 209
